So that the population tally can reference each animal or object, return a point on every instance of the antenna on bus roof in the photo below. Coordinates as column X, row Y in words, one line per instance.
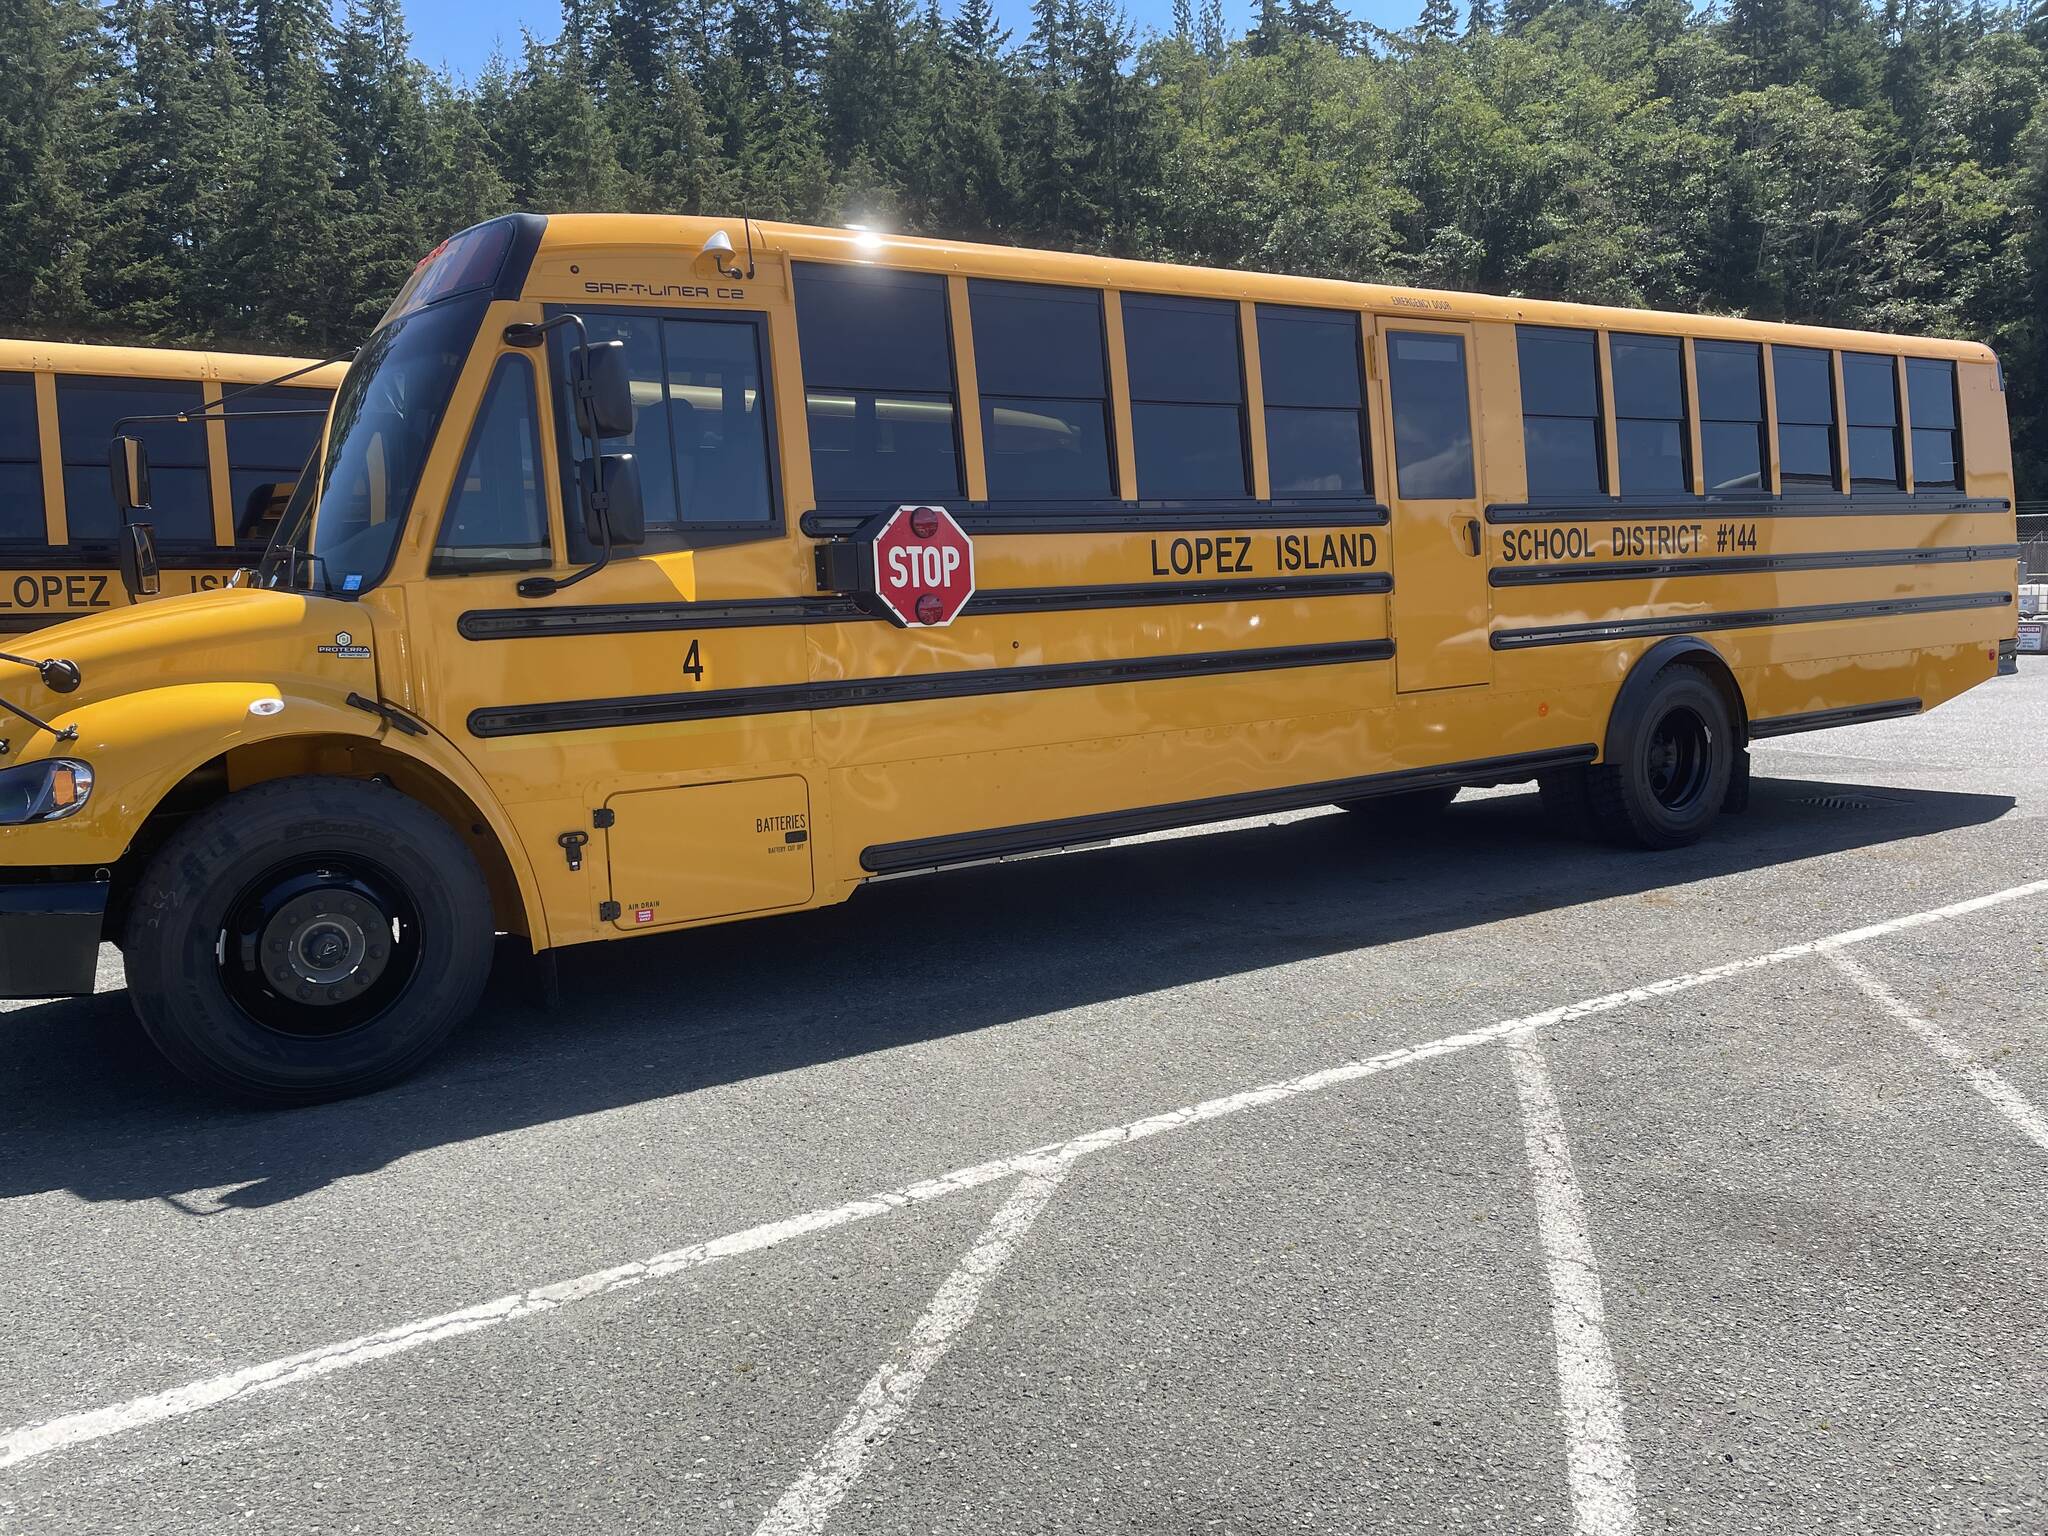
column 747, row 220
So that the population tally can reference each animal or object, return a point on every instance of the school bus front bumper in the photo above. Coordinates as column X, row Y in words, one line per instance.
column 50, row 937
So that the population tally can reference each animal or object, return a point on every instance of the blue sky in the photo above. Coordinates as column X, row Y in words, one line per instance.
column 459, row 34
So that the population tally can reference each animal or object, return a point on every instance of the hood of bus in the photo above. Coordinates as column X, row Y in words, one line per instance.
column 237, row 635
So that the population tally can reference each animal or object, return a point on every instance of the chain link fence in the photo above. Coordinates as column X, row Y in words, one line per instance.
column 2033, row 521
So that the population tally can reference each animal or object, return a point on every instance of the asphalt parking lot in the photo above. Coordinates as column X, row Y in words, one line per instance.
column 1263, row 1179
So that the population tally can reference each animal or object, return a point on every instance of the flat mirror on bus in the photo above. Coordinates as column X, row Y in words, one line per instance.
column 610, row 412
column 625, row 512
column 128, row 461
column 139, row 572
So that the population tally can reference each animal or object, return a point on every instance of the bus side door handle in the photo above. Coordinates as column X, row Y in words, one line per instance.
column 1472, row 544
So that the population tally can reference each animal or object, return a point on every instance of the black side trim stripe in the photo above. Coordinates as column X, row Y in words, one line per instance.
column 1702, row 508
column 1742, row 565
column 1118, row 517
column 1755, row 618
column 1038, row 836
column 637, row 618
column 1821, row 719
column 775, row 699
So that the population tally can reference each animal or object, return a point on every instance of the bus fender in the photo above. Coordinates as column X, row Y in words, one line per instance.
column 151, row 742
column 1626, row 718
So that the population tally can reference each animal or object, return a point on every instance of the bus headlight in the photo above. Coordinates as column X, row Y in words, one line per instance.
column 45, row 791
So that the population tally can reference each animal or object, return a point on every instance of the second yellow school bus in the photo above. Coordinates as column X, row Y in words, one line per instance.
column 215, row 478
column 586, row 634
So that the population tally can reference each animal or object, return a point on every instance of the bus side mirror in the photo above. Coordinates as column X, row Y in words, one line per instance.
column 139, row 573
column 605, row 409
column 611, row 500
column 128, row 461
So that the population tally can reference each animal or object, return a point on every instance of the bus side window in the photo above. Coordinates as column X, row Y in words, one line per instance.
column 181, row 494
column 1937, row 444
column 878, row 384
column 1432, row 415
column 21, row 472
column 1315, row 402
column 1563, row 443
column 1871, row 385
column 1187, row 396
column 1807, row 448
column 1649, row 404
column 1731, row 382
column 1044, row 390
column 266, row 453
column 497, row 518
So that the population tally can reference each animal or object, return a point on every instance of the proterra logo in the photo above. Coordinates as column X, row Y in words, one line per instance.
column 345, row 645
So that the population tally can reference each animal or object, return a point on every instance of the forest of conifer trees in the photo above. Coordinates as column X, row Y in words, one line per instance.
column 255, row 172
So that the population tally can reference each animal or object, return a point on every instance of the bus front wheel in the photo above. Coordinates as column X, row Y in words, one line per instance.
column 307, row 939
column 1664, row 784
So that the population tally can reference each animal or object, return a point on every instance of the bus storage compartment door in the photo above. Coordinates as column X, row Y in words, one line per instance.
column 708, row 850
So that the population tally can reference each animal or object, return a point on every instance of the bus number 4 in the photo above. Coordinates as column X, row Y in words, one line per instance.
column 693, row 663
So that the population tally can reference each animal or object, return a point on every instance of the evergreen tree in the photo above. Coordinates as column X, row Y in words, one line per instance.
column 1439, row 22
column 1481, row 19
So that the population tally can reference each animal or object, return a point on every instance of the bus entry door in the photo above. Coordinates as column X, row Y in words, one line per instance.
column 1440, row 604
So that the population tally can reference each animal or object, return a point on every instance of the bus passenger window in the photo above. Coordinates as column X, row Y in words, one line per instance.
column 1187, row 397
column 1038, row 353
column 181, row 493
column 717, row 410
column 1731, row 383
column 1315, row 402
column 1870, row 387
column 1806, row 420
column 496, row 518
column 1649, row 409
column 21, row 456
column 265, row 452
column 1937, row 445
column 1432, row 416
column 1561, row 429
column 878, row 383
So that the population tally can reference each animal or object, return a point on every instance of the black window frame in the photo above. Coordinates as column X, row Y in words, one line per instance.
column 1190, row 304
column 440, row 565
column 841, row 271
column 1360, row 412
column 1896, row 426
column 33, row 463
column 561, row 417
column 1780, row 352
column 1080, row 296
column 1688, row 470
column 1603, row 471
column 1954, row 429
column 1761, row 423
column 129, row 383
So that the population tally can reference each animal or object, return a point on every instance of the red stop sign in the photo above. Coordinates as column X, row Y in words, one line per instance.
column 924, row 567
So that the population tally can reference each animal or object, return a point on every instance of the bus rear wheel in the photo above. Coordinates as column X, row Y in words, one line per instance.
column 1669, row 779
column 307, row 939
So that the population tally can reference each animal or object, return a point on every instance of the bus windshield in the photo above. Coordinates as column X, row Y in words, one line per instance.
column 383, row 423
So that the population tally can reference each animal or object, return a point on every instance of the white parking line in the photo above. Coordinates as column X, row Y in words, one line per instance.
column 2001, row 1095
column 808, row 1503
column 1598, row 1467
column 20, row 1445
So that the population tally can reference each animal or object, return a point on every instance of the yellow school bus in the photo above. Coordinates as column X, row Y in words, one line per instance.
column 215, row 480
column 665, row 571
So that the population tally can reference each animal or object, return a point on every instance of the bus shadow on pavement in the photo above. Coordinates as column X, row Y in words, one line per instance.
column 86, row 1105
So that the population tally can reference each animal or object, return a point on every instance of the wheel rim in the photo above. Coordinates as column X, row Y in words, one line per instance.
column 319, row 947
column 1681, row 759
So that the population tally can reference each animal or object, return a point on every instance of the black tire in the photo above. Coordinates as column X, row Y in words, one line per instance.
column 307, row 939
column 1410, row 811
column 1663, row 787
